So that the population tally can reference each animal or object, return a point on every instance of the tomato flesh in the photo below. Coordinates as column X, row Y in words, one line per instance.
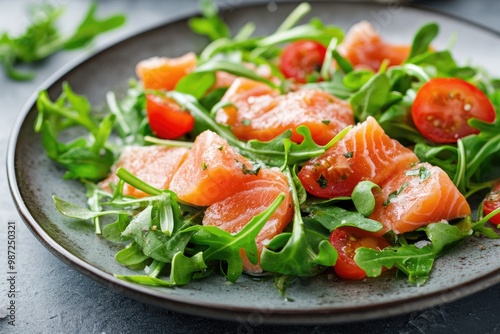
column 302, row 59
column 491, row 203
column 443, row 107
column 346, row 240
column 166, row 118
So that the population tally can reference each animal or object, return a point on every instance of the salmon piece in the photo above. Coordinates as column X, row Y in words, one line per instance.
column 212, row 171
column 365, row 153
column 234, row 212
column 261, row 113
column 364, row 47
column 164, row 73
column 420, row 196
column 250, row 99
column 155, row 165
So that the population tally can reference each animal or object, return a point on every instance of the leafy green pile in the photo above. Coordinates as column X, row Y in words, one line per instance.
column 164, row 236
column 42, row 38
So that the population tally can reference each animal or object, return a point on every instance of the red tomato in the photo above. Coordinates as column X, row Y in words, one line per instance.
column 491, row 203
column 166, row 118
column 346, row 240
column 443, row 106
column 301, row 59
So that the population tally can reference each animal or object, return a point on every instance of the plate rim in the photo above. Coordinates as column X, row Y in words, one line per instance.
column 220, row 311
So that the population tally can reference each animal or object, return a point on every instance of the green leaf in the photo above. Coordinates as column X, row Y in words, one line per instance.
column 131, row 122
column 363, row 198
column 91, row 26
column 415, row 262
column 371, row 98
column 442, row 235
column 131, row 255
column 423, row 38
column 358, row 78
column 210, row 24
column 196, row 83
column 297, row 253
column 152, row 240
column 114, row 231
column 146, row 280
column 75, row 211
column 344, row 64
column 306, row 31
column 226, row 247
column 442, row 62
column 332, row 217
column 183, row 267
column 42, row 38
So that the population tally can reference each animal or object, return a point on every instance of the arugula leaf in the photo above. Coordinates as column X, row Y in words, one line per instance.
column 181, row 273
column 114, row 231
column 312, row 31
column 226, row 247
column 42, row 38
column 131, row 121
column 423, row 38
column 196, row 83
column 371, row 98
column 444, row 235
column 415, row 262
column 358, row 78
column 74, row 211
column 332, row 217
column 143, row 229
column 131, row 255
column 363, row 198
column 90, row 27
column 210, row 24
column 298, row 253
column 83, row 159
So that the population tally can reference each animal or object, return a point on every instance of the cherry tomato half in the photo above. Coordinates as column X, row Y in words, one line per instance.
column 491, row 203
column 443, row 106
column 346, row 240
column 166, row 118
column 302, row 59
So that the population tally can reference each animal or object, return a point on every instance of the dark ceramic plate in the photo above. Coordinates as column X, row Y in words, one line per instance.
column 34, row 179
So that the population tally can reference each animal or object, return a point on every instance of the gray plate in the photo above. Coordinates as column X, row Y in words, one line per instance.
column 34, row 179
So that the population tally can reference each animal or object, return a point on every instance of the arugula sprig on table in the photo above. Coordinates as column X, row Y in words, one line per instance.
column 42, row 38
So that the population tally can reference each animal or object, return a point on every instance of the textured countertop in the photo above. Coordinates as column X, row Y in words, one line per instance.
column 53, row 298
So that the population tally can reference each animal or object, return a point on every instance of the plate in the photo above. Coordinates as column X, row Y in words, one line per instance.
column 33, row 179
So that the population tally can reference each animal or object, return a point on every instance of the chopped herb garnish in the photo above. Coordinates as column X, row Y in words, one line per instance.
column 247, row 171
column 322, row 181
column 394, row 194
column 204, row 166
column 423, row 173
column 221, row 148
column 348, row 154
column 326, row 121
column 42, row 38
column 246, row 122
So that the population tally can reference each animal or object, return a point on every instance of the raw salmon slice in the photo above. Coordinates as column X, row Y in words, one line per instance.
column 417, row 197
column 234, row 212
column 212, row 171
column 260, row 113
column 365, row 153
column 364, row 47
column 155, row 165
column 164, row 73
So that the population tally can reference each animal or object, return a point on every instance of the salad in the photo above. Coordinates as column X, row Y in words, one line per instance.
column 289, row 155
